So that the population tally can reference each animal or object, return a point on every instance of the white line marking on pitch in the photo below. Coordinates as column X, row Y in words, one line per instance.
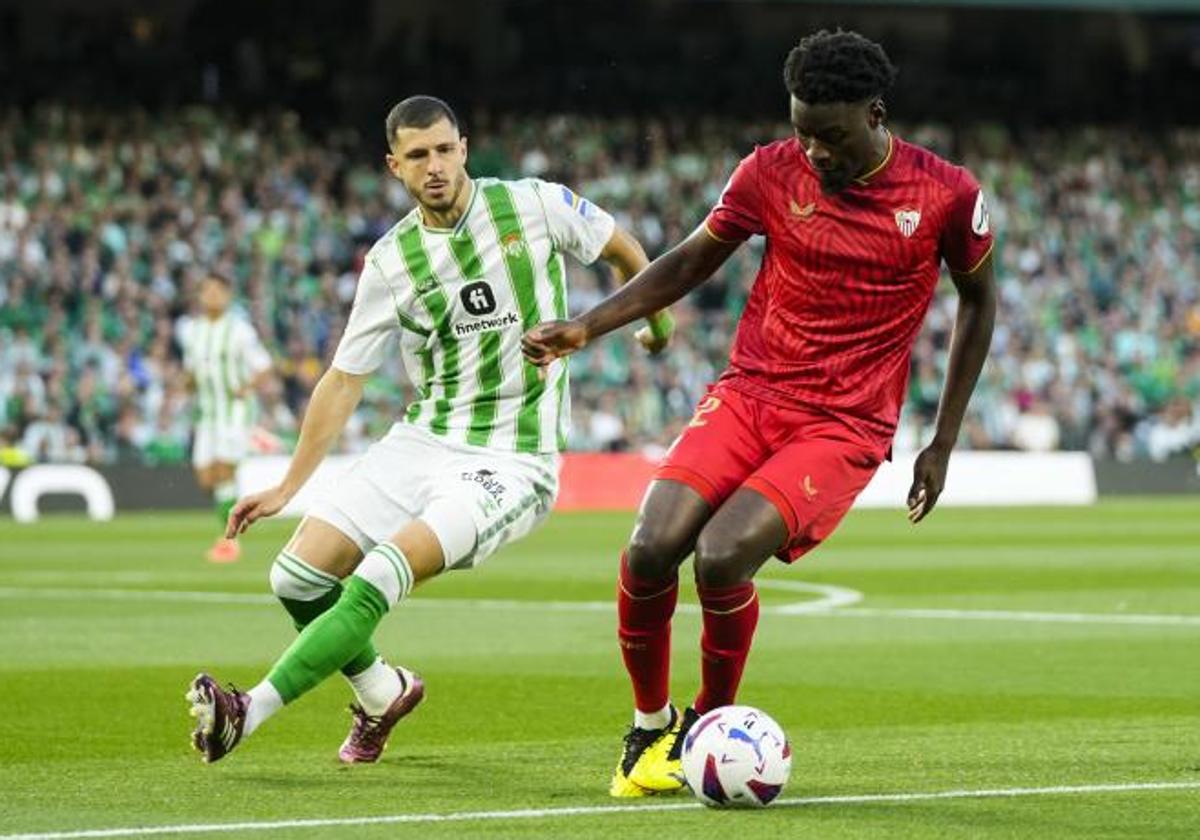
column 598, row 810
column 834, row 603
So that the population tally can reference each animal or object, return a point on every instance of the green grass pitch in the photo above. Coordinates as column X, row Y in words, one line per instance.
column 991, row 650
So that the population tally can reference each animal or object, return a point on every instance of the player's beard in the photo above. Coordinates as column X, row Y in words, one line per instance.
column 449, row 196
column 834, row 180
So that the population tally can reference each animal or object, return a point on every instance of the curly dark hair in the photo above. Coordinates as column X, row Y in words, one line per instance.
column 837, row 66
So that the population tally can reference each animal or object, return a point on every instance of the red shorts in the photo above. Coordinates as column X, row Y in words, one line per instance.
column 806, row 462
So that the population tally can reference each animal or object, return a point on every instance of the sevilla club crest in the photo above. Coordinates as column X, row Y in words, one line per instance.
column 907, row 220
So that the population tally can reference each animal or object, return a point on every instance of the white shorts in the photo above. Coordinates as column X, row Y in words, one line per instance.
column 224, row 441
column 473, row 499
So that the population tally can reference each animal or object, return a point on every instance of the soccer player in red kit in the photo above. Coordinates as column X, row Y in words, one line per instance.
column 857, row 223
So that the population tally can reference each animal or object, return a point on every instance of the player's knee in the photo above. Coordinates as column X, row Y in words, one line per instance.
column 723, row 559
column 292, row 582
column 653, row 552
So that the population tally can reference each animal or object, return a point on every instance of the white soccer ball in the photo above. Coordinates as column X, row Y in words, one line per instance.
column 736, row 757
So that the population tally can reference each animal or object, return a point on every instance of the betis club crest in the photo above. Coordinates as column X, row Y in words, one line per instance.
column 907, row 220
column 512, row 246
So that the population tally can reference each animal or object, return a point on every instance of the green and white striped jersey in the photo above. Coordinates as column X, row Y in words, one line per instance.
column 223, row 356
column 459, row 300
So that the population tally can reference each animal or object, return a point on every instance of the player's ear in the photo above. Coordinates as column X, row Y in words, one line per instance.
column 876, row 113
column 463, row 141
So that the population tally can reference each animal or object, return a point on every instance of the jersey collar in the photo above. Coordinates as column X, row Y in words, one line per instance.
column 462, row 220
column 891, row 153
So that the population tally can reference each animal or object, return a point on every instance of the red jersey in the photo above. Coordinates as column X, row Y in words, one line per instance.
column 847, row 278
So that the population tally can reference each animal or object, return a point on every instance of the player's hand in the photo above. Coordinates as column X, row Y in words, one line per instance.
column 929, row 477
column 553, row 340
column 653, row 344
column 253, row 508
column 656, row 335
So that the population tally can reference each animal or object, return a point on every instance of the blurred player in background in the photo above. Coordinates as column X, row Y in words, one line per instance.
column 857, row 223
column 225, row 362
column 471, row 466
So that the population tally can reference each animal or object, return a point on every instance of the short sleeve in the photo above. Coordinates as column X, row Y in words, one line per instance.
column 738, row 214
column 183, row 337
column 967, row 235
column 256, row 357
column 371, row 323
column 577, row 226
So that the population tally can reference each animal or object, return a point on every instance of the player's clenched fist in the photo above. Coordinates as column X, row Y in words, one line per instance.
column 254, row 507
column 553, row 340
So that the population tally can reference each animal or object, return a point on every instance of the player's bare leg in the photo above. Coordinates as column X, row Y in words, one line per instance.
column 731, row 547
column 218, row 479
column 668, row 523
column 338, row 625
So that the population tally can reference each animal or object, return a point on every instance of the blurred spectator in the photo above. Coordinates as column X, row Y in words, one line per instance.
column 1175, row 432
column 106, row 218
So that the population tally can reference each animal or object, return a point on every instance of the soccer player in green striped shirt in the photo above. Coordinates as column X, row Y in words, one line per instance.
column 472, row 464
column 224, row 360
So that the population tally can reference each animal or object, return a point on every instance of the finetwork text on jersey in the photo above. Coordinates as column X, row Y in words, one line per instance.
column 485, row 324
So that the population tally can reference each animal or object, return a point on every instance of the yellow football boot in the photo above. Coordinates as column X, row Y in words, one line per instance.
column 660, row 769
column 643, row 747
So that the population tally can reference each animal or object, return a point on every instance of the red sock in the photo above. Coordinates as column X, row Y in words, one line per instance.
column 730, row 616
column 644, row 610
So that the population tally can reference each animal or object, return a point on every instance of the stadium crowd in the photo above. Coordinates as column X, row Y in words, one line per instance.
column 108, row 219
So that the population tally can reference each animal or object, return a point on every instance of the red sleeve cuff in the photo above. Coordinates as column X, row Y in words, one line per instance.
column 724, row 232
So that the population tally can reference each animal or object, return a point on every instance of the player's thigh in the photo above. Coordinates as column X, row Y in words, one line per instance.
column 718, row 449
column 746, row 530
column 422, row 549
column 482, row 501
column 205, row 476
column 710, row 459
column 222, row 471
column 377, row 496
column 323, row 546
column 231, row 440
column 813, row 484
column 664, row 533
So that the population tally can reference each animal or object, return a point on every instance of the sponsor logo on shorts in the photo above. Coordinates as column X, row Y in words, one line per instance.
column 807, row 486
column 486, row 479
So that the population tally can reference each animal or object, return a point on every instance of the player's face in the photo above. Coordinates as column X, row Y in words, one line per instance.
column 431, row 162
column 214, row 296
column 837, row 137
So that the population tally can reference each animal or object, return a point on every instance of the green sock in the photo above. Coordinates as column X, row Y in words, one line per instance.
column 331, row 641
column 306, row 592
column 224, row 498
column 304, row 613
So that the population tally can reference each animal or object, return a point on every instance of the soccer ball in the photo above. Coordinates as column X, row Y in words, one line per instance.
column 736, row 757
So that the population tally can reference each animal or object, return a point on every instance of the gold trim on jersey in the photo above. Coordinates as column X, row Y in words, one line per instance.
column 862, row 179
column 980, row 261
column 709, row 231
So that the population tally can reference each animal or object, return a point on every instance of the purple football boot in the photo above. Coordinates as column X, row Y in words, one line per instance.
column 220, row 717
column 369, row 733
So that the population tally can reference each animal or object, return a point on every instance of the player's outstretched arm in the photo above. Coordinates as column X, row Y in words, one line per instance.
column 968, row 348
column 661, row 283
column 333, row 400
column 627, row 257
